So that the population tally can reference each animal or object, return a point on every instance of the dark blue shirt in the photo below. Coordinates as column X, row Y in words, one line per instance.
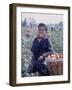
column 39, row 48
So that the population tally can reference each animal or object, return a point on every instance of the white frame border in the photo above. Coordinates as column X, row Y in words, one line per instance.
column 63, row 77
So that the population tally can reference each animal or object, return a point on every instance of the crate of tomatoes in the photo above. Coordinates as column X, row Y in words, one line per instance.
column 55, row 64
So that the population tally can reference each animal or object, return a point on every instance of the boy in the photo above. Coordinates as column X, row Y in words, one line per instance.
column 40, row 49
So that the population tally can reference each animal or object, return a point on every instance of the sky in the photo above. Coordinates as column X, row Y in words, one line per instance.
column 47, row 18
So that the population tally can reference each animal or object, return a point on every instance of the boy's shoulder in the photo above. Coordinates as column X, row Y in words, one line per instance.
column 35, row 39
column 46, row 39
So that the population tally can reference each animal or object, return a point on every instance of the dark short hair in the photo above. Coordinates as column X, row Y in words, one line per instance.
column 43, row 25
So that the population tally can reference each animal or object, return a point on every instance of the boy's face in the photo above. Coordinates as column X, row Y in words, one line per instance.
column 42, row 32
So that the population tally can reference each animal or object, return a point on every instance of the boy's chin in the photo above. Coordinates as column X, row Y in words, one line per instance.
column 40, row 36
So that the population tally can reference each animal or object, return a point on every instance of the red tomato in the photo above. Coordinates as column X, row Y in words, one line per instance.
column 49, row 56
column 53, row 56
column 57, row 56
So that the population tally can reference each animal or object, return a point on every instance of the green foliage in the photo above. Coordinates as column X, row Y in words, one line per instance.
column 56, row 37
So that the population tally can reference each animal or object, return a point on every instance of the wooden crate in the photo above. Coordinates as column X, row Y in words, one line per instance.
column 55, row 67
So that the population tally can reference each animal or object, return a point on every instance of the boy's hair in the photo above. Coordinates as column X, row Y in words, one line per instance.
column 43, row 25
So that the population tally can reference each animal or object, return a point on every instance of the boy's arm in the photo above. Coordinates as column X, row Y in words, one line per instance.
column 49, row 49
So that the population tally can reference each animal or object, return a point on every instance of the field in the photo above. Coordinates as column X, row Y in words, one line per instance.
column 27, row 36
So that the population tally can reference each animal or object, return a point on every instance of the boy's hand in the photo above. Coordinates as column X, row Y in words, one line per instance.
column 45, row 54
column 41, row 57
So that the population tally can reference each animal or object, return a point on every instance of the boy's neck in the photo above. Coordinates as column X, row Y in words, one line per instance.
column 40, row 38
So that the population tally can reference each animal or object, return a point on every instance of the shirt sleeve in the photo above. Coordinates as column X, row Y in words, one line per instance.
column 50, row 48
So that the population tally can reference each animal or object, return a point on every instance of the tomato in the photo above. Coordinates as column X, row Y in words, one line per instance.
column 49, row 56
column 53, row 56
column 57, row 56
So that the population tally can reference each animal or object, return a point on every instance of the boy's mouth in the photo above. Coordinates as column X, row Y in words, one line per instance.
column 41, row 35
